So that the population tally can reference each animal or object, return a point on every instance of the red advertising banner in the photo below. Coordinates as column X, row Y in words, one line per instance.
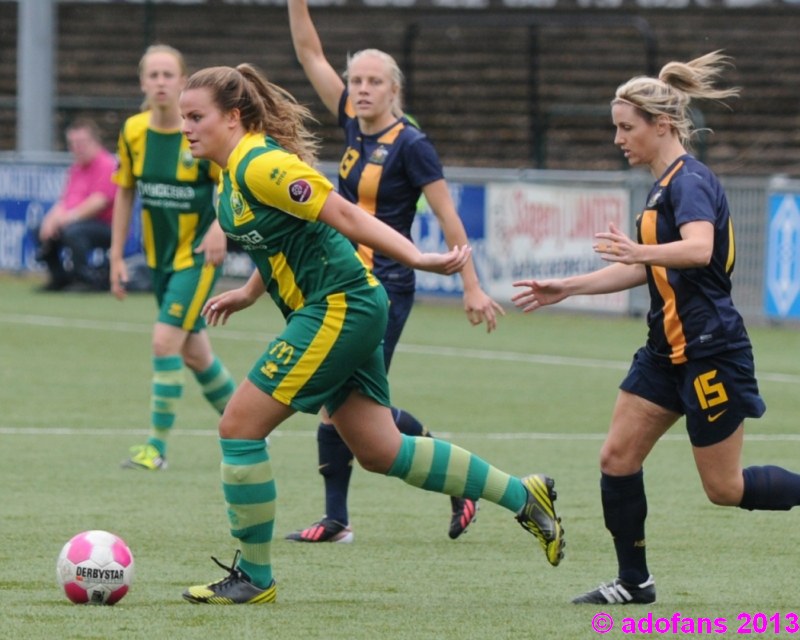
column 542, row 232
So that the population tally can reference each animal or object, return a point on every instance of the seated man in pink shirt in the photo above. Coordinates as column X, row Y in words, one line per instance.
column 75, row 234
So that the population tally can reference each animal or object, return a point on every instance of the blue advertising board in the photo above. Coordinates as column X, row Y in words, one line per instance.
column 782, row 278
column 470, row 202
column 27, row 191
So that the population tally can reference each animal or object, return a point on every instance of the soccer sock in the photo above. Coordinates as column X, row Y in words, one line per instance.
column 408, row 424
column 336, row 467
column 216, row 384
column 167, row 388
column 625, row 510
column 770, row 488
column 436, row 465
column 249, row 489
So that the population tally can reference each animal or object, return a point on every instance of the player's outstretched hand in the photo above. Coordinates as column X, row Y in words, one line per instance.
column 479, row 307
column 445, row 263
column 538, row 293
column 219, row 308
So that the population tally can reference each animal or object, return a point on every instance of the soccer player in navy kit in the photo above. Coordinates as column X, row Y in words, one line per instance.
column 300, row 234
column 698, row 360
column 183, row 245
column 387, row 164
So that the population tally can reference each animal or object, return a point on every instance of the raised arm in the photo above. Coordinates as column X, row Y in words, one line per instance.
column 308, row 48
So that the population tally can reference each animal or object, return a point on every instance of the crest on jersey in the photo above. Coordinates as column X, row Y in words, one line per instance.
column 300, row 191
column 654, row 199
column 187, row 159
column 241, row 211
column 379, row 155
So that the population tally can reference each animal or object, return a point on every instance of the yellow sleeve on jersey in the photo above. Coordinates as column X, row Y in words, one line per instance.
column 281, row 180
column 130, row 149
column 123, row 176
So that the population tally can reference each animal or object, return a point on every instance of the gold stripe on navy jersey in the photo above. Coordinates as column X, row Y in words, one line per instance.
column 666, row 179
column 385, row 173
column 673, row 328
column 691, row 314
column 731, row 259
column 371, row 179
column 371, row 175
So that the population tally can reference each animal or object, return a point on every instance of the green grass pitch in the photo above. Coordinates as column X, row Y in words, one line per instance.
column 535, row 396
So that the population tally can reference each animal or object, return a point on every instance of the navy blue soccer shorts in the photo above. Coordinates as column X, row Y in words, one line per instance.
column 715, row 393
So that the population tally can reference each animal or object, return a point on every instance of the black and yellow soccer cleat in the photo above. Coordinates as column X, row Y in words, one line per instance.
column 145, row 456
column 538, row 516
column 236, row 588
column 619, row 592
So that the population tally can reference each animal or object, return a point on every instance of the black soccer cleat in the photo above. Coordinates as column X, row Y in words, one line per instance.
column 235, row 588
column 619, row 592
column 326, row 530
column 465, row 512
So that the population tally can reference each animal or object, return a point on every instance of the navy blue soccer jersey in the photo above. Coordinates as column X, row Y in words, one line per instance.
column 384, row 174
column 691, row 311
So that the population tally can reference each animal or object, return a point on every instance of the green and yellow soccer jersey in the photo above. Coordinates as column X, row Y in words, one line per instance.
column 175, row 189
column 269, row 201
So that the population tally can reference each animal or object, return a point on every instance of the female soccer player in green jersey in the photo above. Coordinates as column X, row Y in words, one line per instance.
column 183, row 244
column 300, row 234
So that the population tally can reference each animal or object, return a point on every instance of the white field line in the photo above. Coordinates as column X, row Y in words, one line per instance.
column 451, row 352
column 287, row 431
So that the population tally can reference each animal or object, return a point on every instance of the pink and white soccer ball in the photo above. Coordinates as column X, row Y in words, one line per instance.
column 95, row 567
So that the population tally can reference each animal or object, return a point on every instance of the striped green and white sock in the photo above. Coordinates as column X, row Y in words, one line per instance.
column 436, row 465
column 249, row 489
column 216, row 384
column 167, row 388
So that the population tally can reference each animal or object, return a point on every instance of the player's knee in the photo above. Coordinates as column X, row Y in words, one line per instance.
column 613, row 463
column 617, row 459
column 379, row 455
column 194, row 362
column 723, row 494
column 375, row 461
column 227, row 428
column 162, row 347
